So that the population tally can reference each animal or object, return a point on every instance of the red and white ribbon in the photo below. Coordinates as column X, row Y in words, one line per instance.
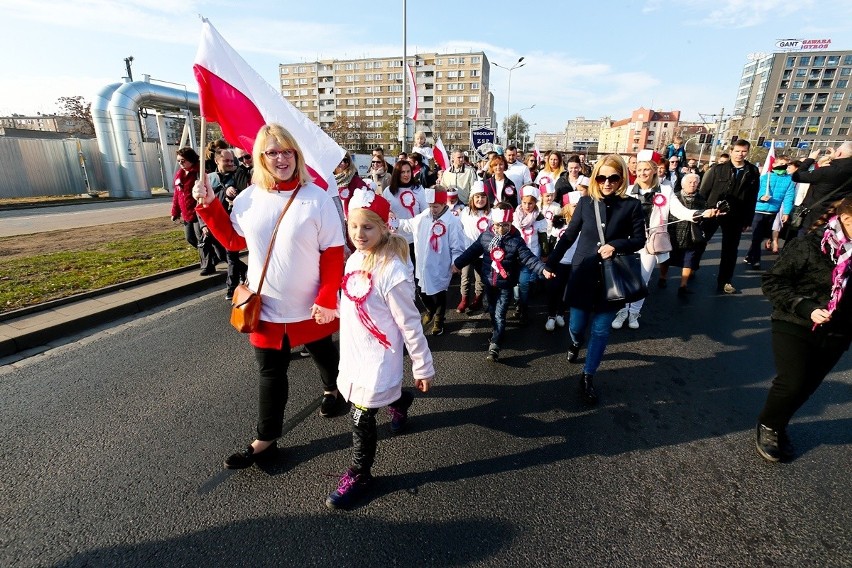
column 528, row 233
column 343, row 192
column 438, row 231
column 660, row 201
column 508, row 191
column 548, row 215
column 357, row 285
column 482, row 224
column 561, row 232
column 497, row 256
column 408, row 201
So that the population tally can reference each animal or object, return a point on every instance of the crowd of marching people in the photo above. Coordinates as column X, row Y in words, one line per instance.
column 376, row 256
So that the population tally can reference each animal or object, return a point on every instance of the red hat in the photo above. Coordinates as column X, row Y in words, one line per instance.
column 367, row 199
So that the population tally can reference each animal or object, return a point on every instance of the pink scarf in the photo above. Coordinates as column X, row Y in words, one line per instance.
column 839, row 250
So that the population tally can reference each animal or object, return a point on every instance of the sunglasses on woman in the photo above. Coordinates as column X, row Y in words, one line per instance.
column 613, row 179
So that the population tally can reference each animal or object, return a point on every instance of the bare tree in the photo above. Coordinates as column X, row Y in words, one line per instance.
column 81, row 110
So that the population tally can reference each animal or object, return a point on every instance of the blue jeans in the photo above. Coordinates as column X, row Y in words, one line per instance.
column 498, row 305
column 598, row 338
column 526, row 278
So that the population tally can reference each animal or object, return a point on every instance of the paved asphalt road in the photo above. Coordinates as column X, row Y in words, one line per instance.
column 38, row 220
column 113, row 448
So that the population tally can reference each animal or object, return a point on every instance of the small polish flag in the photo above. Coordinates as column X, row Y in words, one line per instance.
column 440, row 155
column 233, row 95
column 770, row 159
column 412, row 94
column 537, row 155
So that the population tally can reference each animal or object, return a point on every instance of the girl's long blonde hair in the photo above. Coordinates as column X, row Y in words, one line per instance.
column 389, row 246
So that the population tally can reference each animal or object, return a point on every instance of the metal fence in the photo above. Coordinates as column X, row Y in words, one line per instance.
column 33, row 167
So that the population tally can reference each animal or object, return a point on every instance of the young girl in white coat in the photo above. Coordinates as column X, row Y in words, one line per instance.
column 378, row 319
column 438, row 240
column 657, row 202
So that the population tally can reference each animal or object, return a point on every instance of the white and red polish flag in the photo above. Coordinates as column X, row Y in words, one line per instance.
column 439, row 153
column 537, row 155
column 233, row 95
column 412, row 94
column 770, row 159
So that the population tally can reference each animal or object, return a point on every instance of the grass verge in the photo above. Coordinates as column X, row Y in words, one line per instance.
column 34, row 279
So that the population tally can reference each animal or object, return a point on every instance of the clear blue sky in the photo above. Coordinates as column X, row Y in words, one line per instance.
column 582, row 59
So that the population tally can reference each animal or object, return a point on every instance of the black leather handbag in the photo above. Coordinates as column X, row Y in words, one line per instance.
column 622, row 273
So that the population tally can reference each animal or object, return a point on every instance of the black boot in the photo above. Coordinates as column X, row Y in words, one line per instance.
column 768, row 443
column 589, row 394
column 573, row 351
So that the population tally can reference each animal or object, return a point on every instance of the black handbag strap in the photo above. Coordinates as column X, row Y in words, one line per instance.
column 596, row 206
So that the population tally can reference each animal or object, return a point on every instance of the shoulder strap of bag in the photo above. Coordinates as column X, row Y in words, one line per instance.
column 596, row 207
column 272, row 240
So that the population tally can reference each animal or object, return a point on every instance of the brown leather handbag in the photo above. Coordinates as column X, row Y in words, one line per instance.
column 245, row 305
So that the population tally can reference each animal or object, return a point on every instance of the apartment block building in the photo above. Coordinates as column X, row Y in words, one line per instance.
column 799, row 98
column 359, row 101
column 646, row 129
column 581, row 135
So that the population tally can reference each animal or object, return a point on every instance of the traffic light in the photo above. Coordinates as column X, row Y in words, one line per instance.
column 795, row 143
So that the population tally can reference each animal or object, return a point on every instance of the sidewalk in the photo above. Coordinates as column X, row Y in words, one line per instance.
column 40, row 325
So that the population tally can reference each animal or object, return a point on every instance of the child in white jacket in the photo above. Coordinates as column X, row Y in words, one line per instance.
column 378, row 319
column 438, row 240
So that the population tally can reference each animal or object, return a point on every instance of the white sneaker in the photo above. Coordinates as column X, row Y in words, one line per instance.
column 633, row 321
column 550, row 325
column 620, row 318
column 560, row 321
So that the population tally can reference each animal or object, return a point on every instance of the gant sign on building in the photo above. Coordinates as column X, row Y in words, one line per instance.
column 802, row 44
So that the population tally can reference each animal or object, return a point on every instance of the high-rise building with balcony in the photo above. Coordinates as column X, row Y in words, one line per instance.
column 801, row 99
column 359, row 101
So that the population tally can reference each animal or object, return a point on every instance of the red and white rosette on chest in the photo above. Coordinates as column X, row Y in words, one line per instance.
column 438, row 231
column 407, row 199
column 561, row 232
column 528, row 233
column 548, row 215
column 497, row 256
column 357, row 286
column 482, row 224
column 343, row 192
column 659, row 202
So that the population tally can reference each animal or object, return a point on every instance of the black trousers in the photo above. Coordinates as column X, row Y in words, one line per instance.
column 436, row 304
column 236, row 269
column 732, row 232
column 274, row 388
column 364, row 436
column 802, row 361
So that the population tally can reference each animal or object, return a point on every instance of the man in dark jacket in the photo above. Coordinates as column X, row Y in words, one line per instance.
column 736, row 183
column 825, row 180
column 227, row 182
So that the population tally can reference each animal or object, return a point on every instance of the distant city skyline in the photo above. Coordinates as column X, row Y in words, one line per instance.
column 686, row 56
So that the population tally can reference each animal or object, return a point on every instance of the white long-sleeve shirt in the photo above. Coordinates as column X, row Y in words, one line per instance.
column 433, row 268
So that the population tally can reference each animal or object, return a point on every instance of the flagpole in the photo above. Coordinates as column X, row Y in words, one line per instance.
column 404, row 119
column 202, row 166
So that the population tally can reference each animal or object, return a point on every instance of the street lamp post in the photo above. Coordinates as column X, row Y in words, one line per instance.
column 517, row 65
column 517, row 121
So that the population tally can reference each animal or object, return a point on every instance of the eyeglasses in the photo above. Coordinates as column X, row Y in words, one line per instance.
column 614, row 178
column 273, row 154
column 376, row 162
column 673, row 161
column 245, row 158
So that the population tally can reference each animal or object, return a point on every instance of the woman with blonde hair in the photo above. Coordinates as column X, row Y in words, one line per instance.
column 624, row 233
column 658, row 201
column 299, row 293
column 552, row 169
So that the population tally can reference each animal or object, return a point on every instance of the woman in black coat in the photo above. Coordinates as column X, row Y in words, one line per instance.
column 811, row 322
column 624, row 231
